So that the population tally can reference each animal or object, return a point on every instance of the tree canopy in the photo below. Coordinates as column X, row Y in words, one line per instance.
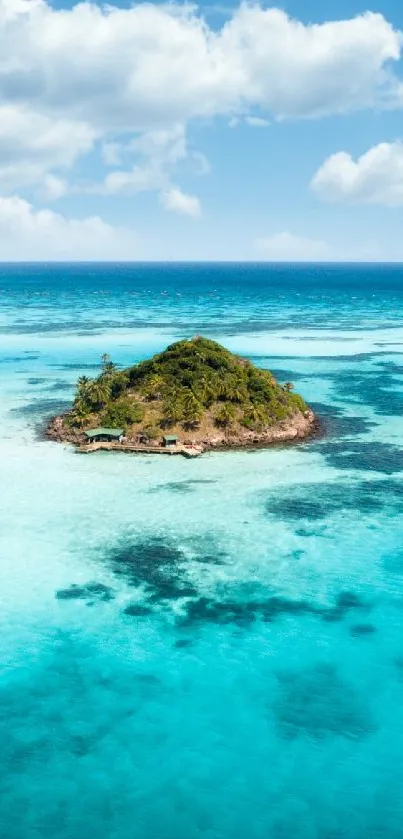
column 192, row 382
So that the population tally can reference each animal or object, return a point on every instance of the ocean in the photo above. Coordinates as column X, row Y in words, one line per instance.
column 207, row 649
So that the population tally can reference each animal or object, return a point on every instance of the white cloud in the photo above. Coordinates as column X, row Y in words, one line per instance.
column 140, row 67
column 177, row 201
column 122, row 182
column 257, row 122
column 29, row 234
column 53, row 187
column 158, row 152
column 31, row 144
column 375, row 178
column 69, row 77
column 286, row 247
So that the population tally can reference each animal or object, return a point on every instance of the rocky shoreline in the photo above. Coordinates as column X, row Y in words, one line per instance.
column 295, row 429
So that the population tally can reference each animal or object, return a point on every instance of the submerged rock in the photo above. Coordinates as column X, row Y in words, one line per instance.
column 88, row 591
column 137, row 610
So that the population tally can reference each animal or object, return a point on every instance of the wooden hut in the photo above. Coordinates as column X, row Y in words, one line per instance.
column 169, row 440
column 104, row 435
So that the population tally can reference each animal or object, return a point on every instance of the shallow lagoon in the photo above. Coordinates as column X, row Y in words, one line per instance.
column 211, row 648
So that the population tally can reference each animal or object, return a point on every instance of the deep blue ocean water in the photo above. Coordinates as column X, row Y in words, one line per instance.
column 229, row 662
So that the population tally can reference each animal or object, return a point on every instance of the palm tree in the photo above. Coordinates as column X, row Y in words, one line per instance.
column 225, row 390
column 108, row 365
column 238, row 393
column 257, row 417
column 81, row 413
column 192, row 409
column 288, row 387
column 82, row 389
column 154, row 387
column 118, row 383
column 98, row 393
column 172, row 408
column 205, row 391
column 226, row 415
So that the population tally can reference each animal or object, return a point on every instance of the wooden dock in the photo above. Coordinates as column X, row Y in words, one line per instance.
column 132, row 448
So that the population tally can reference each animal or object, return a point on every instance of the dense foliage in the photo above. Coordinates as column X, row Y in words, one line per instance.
column 189, row 383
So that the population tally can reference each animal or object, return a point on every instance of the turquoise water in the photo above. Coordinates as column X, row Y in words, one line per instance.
column 208, row 649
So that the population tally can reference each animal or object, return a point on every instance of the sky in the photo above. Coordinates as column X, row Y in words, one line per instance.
column 222, row 131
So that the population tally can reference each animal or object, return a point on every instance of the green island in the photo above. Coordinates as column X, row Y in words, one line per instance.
column 193, row 396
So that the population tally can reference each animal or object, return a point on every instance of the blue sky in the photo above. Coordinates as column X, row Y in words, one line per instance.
column 156, row 131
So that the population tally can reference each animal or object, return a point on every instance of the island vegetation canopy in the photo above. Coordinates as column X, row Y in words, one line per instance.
column 193, row 385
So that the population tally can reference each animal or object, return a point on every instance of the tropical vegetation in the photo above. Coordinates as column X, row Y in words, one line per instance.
column 193, row 384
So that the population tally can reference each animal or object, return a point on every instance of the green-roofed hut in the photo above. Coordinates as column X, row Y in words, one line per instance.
column 104, row 435
column 169, row 440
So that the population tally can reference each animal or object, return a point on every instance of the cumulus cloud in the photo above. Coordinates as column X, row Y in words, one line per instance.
column 133, row 68
column 32, row 143
column 157, row 152
column 73, row 77
column 374, row 178
column 177, row 201
column 29, row 234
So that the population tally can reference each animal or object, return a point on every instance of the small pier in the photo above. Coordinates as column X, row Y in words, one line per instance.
column 136, row 448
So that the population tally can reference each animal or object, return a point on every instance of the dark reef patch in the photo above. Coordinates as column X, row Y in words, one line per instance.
column 74, row 366
column 245, row 612
column 16, row 359
column 181, row 487
column 60, row 384
column 365, row 457
column 295, row 507
column 94, row 592
column 155, row 563
column 317, row 501
column 183, row 643
column 346, row 601
column 391, row 368
column 41, row 407
column 136, row 610
column 165, row 573
column 318, row 703
column 282, row 374
column 335, row 423
column 373, row 387
column 160, row 567
column 307, row 533
column 362, row 630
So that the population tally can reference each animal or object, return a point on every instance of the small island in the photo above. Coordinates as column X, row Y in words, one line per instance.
column 195, row 396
